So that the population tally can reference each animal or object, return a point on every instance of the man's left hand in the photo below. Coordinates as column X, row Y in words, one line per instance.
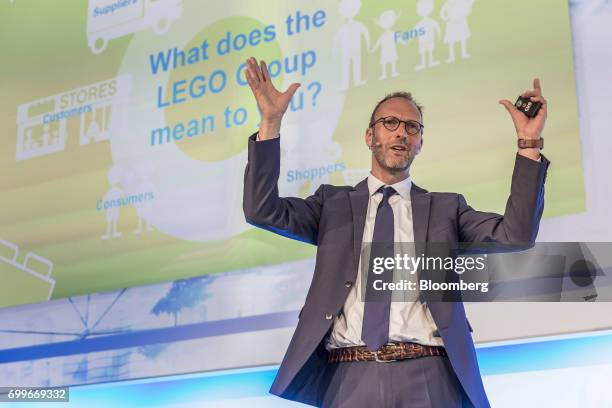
column 526, row 127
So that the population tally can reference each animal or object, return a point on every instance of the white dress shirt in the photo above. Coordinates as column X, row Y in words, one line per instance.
column 408, row 321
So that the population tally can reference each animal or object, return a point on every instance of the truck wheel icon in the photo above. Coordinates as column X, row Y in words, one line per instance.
column 161, row 26
column 98, row 45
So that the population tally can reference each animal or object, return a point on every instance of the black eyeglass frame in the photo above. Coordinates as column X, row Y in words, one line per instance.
column 399, row 121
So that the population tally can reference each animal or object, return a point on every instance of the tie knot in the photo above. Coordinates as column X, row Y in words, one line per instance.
column 387, row 192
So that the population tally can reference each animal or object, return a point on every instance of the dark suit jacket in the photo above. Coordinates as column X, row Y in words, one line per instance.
column 334, row 218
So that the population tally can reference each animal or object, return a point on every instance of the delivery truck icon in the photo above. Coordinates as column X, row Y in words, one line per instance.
column 27, row 282
column 110, row 19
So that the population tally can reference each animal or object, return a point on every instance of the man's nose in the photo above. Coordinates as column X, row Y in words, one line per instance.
column 401, row 132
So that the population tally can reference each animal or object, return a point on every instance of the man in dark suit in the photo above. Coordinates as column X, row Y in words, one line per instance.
column 347, row 352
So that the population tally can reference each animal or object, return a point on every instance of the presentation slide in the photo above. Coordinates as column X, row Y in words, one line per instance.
column 126, row 122
column 127, row 270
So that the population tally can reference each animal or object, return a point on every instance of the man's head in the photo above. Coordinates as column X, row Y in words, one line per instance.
column 393, row 150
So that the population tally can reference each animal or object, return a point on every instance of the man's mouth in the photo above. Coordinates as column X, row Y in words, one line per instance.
column 399, row 148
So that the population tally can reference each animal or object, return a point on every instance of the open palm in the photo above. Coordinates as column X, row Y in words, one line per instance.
column 271, row 102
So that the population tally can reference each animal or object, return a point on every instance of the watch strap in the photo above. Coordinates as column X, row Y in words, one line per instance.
column 530, row 143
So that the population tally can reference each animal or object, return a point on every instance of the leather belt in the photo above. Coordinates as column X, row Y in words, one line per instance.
column 387, row 353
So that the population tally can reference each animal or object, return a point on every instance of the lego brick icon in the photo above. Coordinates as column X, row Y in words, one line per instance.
column 27, row 282
column 111, row 19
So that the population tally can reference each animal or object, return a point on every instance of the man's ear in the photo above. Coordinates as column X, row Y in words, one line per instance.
column 368, row 137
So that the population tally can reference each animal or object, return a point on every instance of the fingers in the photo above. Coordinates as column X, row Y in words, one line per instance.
column 292, row 88
column 534, row 97
column 528, row 93
column 254, row 70
column 264, row 71
column 537, row 86
column 543, row 109
column 536, row 91
column 251, row 74
column 256, row 74
column 515, row 114
column 258, row 70
column 250, row 80
column 508, row 105
column 538, row 99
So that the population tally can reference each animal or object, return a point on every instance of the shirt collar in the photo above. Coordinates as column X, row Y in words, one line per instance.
column 403, row 187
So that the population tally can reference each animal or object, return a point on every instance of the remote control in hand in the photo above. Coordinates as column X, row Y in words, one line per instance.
column 527, row 107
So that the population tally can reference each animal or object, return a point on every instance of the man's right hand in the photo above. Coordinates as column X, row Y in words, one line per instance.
column 271, row 103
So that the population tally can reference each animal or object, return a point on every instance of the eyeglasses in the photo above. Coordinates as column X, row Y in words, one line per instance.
column 392, row 123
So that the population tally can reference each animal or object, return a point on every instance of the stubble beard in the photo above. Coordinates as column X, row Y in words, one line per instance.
column 393, row 165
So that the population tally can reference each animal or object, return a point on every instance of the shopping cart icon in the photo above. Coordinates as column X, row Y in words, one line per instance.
column 29, row 282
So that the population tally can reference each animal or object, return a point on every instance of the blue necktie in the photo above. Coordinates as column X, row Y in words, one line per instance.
column 375, row 328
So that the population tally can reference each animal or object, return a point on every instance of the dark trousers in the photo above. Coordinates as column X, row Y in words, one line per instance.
column 426, row 382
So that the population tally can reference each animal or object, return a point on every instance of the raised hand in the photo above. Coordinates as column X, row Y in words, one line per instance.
column 526, row 127
column 271, row 103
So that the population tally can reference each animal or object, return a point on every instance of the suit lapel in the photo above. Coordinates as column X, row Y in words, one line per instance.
column 420, row 221
column 420, row 213
column 421, row 202
column 359, row 206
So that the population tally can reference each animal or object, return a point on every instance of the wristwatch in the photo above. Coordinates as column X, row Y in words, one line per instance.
column 530, row 143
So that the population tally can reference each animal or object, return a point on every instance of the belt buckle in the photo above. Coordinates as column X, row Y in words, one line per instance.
column 378, row 360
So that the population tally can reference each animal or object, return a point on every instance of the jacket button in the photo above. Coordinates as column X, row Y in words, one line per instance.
column 348, row 284
column 329, row 316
